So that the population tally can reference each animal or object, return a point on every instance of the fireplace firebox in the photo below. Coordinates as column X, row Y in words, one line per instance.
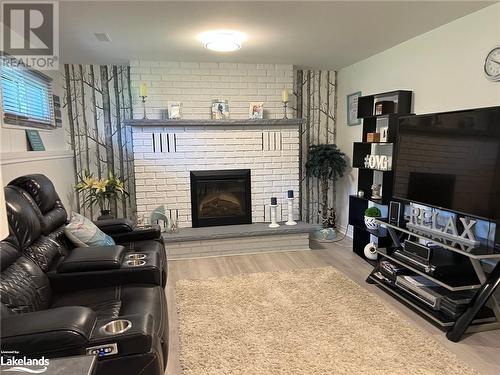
column 221, row 197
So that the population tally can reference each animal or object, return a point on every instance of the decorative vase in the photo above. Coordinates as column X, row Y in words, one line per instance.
column 173, row 225
column 324, row 235
column 371, row 222
column 370, row 251
column 105, row 214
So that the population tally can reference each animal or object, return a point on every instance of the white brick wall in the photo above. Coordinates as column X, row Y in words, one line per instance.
column 162, row 178
column 196, row 84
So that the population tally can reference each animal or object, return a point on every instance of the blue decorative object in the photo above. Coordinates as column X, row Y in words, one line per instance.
column 326, row 234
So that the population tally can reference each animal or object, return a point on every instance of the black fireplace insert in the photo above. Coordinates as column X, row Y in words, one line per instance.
column 221, row 197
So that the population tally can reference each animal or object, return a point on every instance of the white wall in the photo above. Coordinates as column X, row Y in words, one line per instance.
column 444, row 69
column 55, row 162
column 196, row 84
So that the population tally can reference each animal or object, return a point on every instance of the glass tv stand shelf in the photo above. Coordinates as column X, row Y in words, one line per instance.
column 474, row 285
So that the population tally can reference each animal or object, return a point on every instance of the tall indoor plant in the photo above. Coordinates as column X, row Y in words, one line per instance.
column 327, row 163
column 100, row 192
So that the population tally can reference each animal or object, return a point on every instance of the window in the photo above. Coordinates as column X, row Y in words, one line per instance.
column 27, row 98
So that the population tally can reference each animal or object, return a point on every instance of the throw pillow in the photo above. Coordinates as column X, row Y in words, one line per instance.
column 84, row 233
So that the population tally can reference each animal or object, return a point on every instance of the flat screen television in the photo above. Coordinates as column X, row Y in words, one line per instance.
column 451, row 161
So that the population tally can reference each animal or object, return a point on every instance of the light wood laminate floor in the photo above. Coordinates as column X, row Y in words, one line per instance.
column 480, row 350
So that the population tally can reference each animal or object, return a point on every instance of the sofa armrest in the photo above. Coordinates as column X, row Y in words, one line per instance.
column 58, row 331
column 114, row 226
column 138, row 339
column 84, row 259
column 122, row 230
column 144, row 233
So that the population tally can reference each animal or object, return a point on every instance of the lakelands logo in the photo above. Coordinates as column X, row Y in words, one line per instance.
column 24, row 365
column 30, row 34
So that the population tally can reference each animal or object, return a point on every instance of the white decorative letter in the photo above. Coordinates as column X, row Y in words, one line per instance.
column 450, row 225
column 468, row 224
column 414, row 214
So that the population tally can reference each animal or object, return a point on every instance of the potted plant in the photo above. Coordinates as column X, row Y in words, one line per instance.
column 327, row 163
column 100, row 192
column 372, row 213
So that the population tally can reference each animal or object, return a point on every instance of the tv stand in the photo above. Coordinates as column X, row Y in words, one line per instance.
column 481, row 312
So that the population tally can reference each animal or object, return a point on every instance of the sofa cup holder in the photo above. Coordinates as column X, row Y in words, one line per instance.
column 136, row 256
column 135, row 262
column 116, row 327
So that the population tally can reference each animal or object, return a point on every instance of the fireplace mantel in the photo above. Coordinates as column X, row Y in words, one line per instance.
column 223, row 123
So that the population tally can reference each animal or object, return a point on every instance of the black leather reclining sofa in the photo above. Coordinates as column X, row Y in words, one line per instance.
column 57, row 300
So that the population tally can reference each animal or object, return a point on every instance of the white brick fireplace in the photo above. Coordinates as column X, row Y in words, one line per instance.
column 165, row 151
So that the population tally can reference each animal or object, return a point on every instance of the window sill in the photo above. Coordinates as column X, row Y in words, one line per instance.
column 26, row 127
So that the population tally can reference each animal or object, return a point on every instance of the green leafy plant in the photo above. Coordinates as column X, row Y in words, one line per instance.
column 373, row 212
column 327, row 163
column 100, row 192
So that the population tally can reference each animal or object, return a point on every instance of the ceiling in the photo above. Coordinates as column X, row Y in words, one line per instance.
column 328, row 34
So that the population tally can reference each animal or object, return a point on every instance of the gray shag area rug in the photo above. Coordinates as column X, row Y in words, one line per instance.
column 311, row 321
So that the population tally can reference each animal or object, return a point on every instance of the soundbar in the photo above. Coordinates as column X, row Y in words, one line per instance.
column 417, row 263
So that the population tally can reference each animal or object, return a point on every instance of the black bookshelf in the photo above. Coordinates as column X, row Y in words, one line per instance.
column 373, row 123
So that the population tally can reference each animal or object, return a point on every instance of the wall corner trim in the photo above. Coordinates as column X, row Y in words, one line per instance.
column 30, row 156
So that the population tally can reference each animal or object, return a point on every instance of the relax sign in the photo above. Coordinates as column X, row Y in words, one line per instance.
column 425, row 221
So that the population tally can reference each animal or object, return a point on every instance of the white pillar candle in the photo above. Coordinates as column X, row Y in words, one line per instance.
column 290, row 212
column 273, row 224
column 284, row 96
column 143, row 90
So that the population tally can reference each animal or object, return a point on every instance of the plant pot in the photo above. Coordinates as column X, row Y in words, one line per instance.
column 105, row 214
column 371, row 223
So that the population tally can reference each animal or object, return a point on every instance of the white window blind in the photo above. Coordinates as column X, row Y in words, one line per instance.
column 27, row 97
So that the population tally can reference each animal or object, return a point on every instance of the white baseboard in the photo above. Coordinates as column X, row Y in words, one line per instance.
column 341, row 230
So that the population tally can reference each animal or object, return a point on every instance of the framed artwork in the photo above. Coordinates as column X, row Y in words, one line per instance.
column 256, row 110
column 35, row 142
column 352, row 109
column 174, row 110
column 220, row 109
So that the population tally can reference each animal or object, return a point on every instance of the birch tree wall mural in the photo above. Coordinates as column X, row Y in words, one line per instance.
column 97, row 102
column 315, row 91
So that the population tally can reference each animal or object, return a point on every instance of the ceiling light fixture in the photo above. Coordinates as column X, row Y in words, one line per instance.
column 222, row 40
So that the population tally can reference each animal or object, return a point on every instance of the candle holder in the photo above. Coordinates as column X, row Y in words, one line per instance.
column 273, row 224
column 290, row 212
column 144, row 106
column 285, row 106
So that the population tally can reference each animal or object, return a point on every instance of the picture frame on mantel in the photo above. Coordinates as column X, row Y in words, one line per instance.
column 352, row 109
